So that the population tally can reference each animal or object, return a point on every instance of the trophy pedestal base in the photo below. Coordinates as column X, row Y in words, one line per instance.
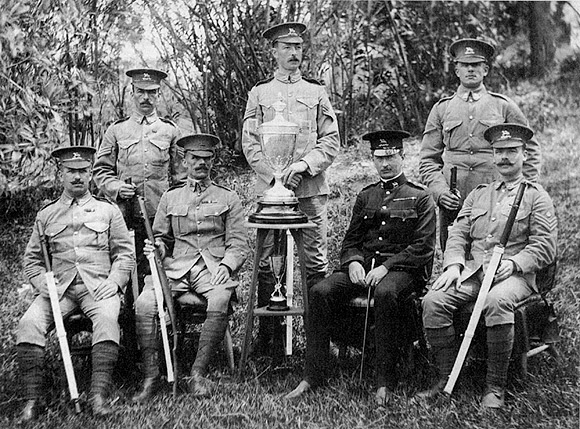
column 278, row 213
column 278, row 305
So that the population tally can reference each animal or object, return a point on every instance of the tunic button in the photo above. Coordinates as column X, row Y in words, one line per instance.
column 485, row 251
column 493, row 219
column 145, row 150
column 383, row 223
column 75, row 233
column 470, row 134
column 197, row 208
column 388, row 192
column 470, row 168
column 380, row 238
column 490, row 236
column 471, row 152
column 198, row 222
column 471, row 117
column 377, row 252
column 384, row 207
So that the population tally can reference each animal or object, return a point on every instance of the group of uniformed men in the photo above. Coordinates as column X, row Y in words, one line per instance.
column 199, row 232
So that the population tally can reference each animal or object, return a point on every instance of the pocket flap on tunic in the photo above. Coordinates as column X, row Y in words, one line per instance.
column 448, row 126
column 213, row 209
column 310, row 102
column 125, row 144
column 97, row 226
column 404, row 213
column 217, row 252
column 161, row 144
column 54, row 229
column 177, row 210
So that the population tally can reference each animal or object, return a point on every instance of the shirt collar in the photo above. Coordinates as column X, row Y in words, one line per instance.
column 285, row 77
column 199, row 185
column 476, row 93
column 393, row 183
column 512, row 185
column 67, row 200
column 144, row 119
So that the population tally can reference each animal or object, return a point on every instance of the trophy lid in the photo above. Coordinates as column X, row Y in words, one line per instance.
column 278, row 125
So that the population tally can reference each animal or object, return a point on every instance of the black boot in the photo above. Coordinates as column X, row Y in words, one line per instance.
column 104, row 357
column 30, row 361
column 442, row 343
column 151, row 371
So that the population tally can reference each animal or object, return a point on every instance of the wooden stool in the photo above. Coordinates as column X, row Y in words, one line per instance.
column 262, row 232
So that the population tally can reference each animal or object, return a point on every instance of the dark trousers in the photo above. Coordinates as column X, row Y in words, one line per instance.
column 328, row 297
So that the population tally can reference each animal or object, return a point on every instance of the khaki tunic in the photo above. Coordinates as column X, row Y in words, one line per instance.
column 480, row 223
column 88, row 239
column 201, row 220
column 143, row 149
column 453, row 136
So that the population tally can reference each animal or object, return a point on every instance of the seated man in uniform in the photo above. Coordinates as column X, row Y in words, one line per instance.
column 92, row 257
column 392, row 228
column 199, row 230
column 479, row 226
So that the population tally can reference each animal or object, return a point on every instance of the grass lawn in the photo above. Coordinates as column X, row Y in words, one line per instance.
column 548, row 398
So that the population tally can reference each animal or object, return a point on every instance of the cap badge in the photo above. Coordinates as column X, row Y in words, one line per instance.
column 76, row 155
column 505, row 135
column 292, row 32
column 469, row 51
column 146, row 76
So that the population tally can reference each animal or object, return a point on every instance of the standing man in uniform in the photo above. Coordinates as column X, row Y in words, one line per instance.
column 139, row 149
column 92, row 257
column 199, row 229
column 480, row 223
column 393, row 227
column 453, row 135
column 318, row 143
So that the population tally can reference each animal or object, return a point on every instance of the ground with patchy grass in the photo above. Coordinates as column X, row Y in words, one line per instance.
column 547, row 399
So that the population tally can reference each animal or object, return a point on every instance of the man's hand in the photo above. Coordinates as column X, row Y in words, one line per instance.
column 356, row 273
column 451, row 275
column 220, row 276
column 43, row 287
column 294, row 181
column 506, row 268
column 293, row 170
column 376, row 275
column 126, row 191
column 449, row 200
column 149, row 248
column 105, row 290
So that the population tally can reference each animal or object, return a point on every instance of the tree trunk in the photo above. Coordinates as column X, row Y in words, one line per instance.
column 542, row 37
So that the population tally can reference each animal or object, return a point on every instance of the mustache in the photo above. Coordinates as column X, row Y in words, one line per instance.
column 505, row 163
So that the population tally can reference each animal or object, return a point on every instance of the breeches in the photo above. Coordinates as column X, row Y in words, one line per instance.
column 439, row 306
column 104, row 315
column 197, row 280
column 315, row 238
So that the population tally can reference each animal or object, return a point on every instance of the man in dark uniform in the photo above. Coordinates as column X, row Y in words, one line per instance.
column 308, row 106
column 480, row 224
column 92, row 257
column 199, row 229
column 139, row 149
column 453, row 135
column 393, row 226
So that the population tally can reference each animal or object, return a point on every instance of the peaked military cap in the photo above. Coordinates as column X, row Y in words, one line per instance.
column 508, row 135
column 74, row 156
column 386, row 142
column 471, row 51
column 289, row 32
column 146, row 78
column 199, row 144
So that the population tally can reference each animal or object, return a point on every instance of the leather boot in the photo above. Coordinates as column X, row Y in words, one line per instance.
column 30, row 412
column 151, row 381
column 199, row 386
column 100, row 406
column 442, row 342
column 500, row 342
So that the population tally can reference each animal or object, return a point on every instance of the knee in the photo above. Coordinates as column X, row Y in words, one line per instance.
column 146, row 304
column 385, row 297
column 219, row 300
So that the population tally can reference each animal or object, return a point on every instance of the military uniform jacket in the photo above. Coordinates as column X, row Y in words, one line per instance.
column 481, row 221
column 201, row 220
column 318, row 141
column 453, row 136
column 88, row 238
column 143, row 149
column 394, row 222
